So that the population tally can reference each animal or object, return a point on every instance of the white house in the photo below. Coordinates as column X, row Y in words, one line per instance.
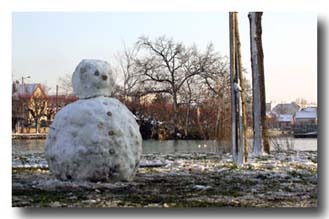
column 306, row 116
column 284, row 121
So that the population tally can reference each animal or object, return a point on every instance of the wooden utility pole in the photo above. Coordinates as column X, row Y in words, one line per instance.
column 238, row 113
column 258, row 82
column 243, row 117
column 232, row 80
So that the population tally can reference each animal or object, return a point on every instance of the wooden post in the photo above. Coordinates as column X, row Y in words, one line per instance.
column 266, row 145
column 243, row 152
column 238, row 109
column 232, row 79
column 258, row 82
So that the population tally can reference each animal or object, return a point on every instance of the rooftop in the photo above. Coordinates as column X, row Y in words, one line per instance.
column 285, row 118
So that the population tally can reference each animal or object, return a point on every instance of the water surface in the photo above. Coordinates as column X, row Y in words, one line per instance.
column 169, row 146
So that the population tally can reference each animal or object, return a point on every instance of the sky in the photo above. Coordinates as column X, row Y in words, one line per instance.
column 48, row 45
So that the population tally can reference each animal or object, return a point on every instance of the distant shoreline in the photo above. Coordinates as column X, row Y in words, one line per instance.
column 28, row 136
column 44, row 136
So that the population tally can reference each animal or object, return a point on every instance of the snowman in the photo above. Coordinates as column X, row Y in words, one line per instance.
column 95, row 138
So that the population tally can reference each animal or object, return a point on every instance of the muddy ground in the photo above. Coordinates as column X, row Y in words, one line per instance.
column 285, row 179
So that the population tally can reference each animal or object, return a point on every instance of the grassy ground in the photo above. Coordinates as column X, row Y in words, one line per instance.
column 286, row 179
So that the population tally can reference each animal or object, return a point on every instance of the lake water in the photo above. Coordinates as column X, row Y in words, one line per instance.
column 169, row 146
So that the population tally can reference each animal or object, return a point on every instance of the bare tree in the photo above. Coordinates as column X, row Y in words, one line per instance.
column 46, row 87
column 38, row 109
column 165, row 68
column 211, row 67
column 194, row 94
column 186, row 94
column 218, row 84
column 302, row 102
column 128, row 69
column 65, row 84
column 216, row 79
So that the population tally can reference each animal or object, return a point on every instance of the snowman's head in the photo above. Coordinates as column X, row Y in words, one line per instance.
column 92, row 78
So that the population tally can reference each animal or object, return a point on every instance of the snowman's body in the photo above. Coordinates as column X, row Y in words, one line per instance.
column 95, row 138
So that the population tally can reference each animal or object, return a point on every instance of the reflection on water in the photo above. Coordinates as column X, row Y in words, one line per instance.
column 183, row 146
column 149, row 146
column 31, row 145
column 168, row 147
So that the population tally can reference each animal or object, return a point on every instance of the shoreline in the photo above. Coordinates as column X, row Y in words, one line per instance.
column 28, row 136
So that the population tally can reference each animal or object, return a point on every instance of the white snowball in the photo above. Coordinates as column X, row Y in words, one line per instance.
column 92, row 78
column 94, row 139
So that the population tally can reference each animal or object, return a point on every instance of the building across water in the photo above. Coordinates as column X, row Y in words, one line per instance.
column 305, row 122
column 301, row 121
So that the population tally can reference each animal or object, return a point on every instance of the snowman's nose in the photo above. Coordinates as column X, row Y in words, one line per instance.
column 104, row 77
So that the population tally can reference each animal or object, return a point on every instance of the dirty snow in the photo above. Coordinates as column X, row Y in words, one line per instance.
column 264, row 181
column 94, row 138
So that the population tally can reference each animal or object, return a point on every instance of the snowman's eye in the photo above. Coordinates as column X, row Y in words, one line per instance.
column 96, row 73
column 104, row 77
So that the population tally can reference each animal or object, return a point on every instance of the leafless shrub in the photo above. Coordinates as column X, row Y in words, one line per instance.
column 282, row 143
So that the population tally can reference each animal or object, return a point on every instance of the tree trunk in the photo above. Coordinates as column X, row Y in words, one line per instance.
column 188, row 110
column 175, row 114
column 266, row 144
column 37, row 126
column 219, row 121
column 124, row 92
column 257, row 66
column 187, row 121
column 201, row 129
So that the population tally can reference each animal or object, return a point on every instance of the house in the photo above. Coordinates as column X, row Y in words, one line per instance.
column 29, row 105
column 306, row 116
column 147, row 99
column 284, row 121
column 305, row 122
